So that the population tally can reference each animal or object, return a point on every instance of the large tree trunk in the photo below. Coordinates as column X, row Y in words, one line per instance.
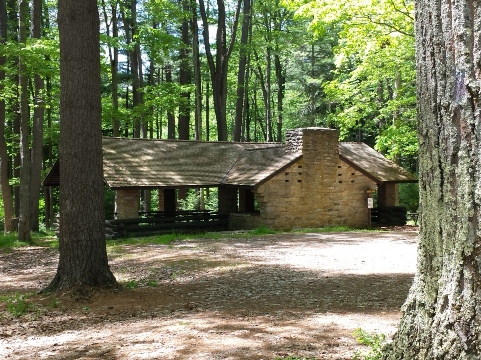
column 441, row 317
column 24, row 233
column 83, row 256
column 6, row 189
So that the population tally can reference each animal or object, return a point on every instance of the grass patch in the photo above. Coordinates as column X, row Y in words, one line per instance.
column 375, row 342
column 262, row 230
column 131, row 284
column 17, row 304
column 45, row 239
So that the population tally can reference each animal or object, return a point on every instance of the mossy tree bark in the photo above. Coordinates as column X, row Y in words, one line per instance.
column 442, row 315
column 83, row 257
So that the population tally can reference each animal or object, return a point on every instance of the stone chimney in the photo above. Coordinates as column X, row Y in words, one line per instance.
column 320, row 159
column 313, row 140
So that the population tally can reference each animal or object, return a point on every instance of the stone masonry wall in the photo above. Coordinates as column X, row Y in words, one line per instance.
column 127, row 203
column 317, row 191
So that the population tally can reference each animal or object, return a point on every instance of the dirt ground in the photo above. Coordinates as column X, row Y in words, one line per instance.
column 263, row 297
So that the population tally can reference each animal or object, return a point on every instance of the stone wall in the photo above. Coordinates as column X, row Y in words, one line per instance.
column 127, row 203
column 318, row 190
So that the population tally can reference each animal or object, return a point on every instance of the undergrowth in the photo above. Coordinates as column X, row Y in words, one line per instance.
column 17, row 304
column 374, row 342
column 44, row 238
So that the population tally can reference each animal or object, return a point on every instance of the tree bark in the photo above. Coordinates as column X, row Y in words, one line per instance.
column 241, row 75
column 219, row 67
column 37, row 129
column 185, row 75
column 170, row 114
column 6, row 189
column 24, row 233
column 83, row 256
column 197, row 73
column 441, row 318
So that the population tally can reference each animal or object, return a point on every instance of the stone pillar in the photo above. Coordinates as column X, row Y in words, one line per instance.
column 246, row 200
column 387, row 195
column 227, row 198
column 127, row 203
column 320, row 153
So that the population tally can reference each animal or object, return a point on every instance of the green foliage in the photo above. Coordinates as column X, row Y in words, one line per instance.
column 409, row 196
column 17, row 305
column 375, row 342
column 372, row 92
column 192, row 201
column 47, row 239
column 131, row 284
column 9, row 241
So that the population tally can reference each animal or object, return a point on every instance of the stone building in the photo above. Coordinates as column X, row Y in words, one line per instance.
column 310, row 181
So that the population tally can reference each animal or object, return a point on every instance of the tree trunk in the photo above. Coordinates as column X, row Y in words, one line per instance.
column 185, row 75
column 170, row 114
column 83, row 256
column 197, row 73
column 281, row 86
column 114, row 60
column 37, row 129
column 218, row 69
column 24, row 233
column 441, row 318
column 241, row 75
column 6, row 189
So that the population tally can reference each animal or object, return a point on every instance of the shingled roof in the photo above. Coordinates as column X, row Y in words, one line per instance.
column 170, row 163
column 372, row 164
column 146, row 163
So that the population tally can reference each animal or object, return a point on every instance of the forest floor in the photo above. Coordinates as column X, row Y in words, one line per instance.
column 232, row 297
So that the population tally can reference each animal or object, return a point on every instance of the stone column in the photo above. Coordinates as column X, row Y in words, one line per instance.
column 127, row 203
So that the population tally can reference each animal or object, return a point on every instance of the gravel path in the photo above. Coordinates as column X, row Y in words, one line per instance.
column 263, row 297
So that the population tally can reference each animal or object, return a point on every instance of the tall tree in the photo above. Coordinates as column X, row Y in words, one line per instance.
column 442, row 313
column 241, row 75
column 38, row 118
column 24, row 233
column 219, row 67
column 185, row 73
column 83, row 256
column 6, row 190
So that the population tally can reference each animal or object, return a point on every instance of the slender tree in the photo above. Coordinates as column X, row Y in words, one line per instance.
column 83, row 256
column 441, row 318
column 4, row 163
column 185, row 73
column 38, row 119
column 24, row 233
column 241, row 75
column 219, row 66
